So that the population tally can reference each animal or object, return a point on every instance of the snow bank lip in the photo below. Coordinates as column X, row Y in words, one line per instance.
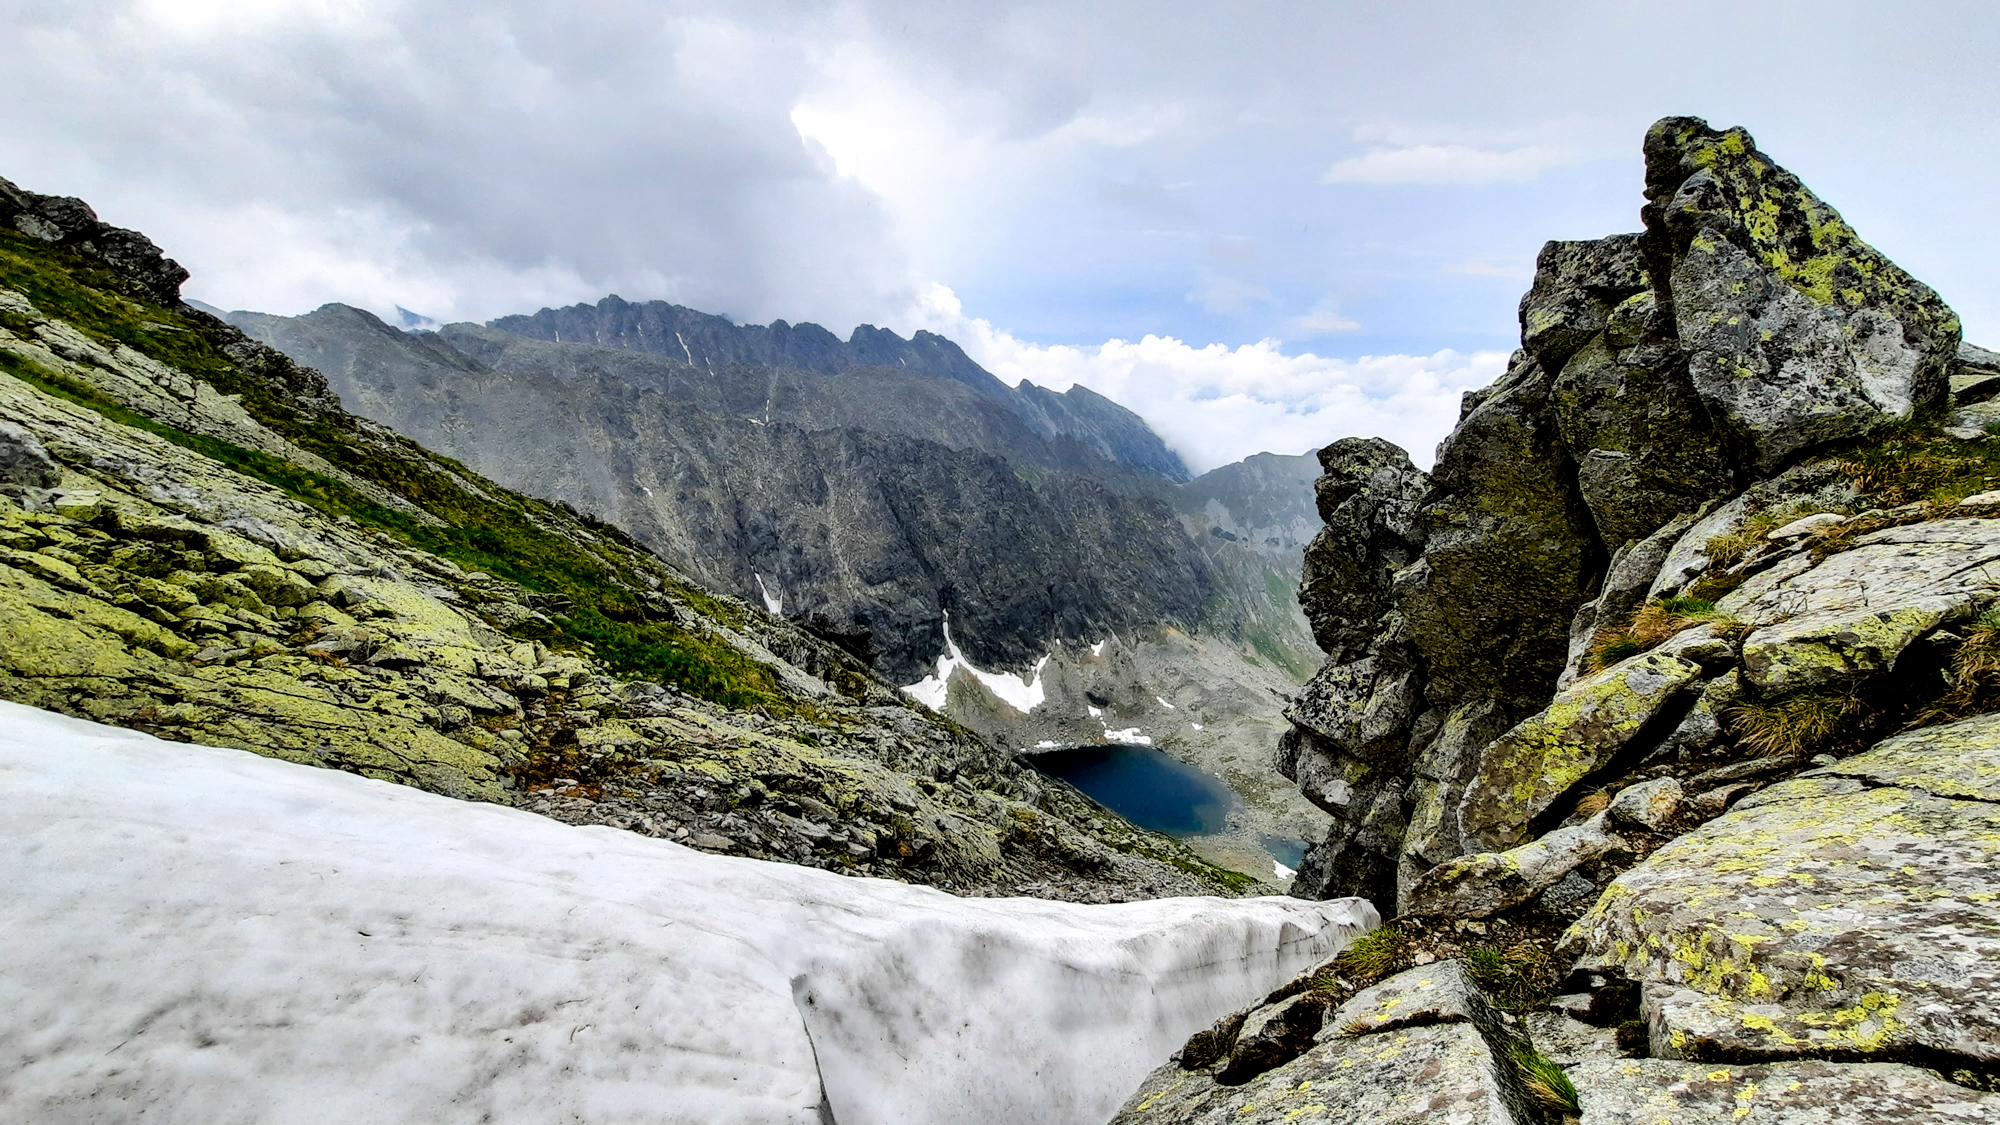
column 618, row 968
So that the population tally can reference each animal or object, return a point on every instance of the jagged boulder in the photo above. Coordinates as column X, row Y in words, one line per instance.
column 1424, row 1046
column 1796, row 333
column 1527, row 771
column 1367, row 494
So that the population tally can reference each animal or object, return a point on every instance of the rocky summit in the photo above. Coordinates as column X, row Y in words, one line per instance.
column 198, row 542
column 1660, row 714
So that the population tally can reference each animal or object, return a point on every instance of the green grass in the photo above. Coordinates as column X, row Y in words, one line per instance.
column 1916, row 463
column 1546, row 1083
column 1517, row 979
column 504, row 534
column 1373, row 955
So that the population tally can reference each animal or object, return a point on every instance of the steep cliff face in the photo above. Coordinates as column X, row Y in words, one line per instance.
column 704, row 340
column 1746, row 329
column 198, row 542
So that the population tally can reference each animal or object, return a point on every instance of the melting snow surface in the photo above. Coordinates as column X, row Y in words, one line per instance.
column 1045, row 744
column 772, row 602
column 933, row 690
column 1128, row 735
column 1094, row 712
column 199, row 935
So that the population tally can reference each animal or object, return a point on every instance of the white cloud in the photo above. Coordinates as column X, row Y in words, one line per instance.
column 1446, row 164
column 1324, row 319
column 1218, row 404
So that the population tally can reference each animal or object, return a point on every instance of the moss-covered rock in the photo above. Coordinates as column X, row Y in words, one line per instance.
column 1852, row 615
column 1796, row 332
column 1525, row 772
column 1848, row 912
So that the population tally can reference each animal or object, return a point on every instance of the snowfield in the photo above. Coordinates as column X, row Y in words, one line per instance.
column 205, row 936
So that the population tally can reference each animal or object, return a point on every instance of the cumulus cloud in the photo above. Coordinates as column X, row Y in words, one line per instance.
column 1446, row 164
column 1216, row 404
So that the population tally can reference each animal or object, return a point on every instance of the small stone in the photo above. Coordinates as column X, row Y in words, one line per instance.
column 1806, row 525
column 23, row 461
column 1648, row 807
column 710, row 842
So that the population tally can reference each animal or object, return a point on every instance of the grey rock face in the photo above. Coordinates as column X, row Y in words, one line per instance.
column 706, row 341
column 1844, row 912
column 23, row 461
column 1661, row 374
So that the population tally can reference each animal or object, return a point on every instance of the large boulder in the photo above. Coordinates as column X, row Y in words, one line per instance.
column 1845, row 913
column 1796, row 333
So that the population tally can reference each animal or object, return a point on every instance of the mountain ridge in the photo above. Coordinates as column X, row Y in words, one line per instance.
column 704, row 339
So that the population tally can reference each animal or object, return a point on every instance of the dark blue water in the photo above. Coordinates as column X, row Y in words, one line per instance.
column 1146, row 787
column 1287, row 851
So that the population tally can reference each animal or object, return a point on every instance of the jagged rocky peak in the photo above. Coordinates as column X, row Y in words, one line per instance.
column 1744, row 331
column 1664, row 713
column 136, row 264
column 1093, row 424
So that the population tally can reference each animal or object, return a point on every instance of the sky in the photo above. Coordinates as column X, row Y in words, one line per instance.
column 1263, row 226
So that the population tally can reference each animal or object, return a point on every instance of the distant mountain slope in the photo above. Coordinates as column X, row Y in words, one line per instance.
column 703, row 340
column 871, row 501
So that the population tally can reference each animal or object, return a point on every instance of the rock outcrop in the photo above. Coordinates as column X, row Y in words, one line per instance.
column 1666, row 703
column 1660, row 374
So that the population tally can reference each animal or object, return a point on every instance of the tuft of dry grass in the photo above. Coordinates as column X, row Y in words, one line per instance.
column 1655, row 622
column 1975, row 674
column 1796, row 725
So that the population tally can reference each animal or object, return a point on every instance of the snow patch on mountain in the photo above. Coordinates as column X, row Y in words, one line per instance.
column 205, row 935
column 773, row 603
column 1023, row 695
